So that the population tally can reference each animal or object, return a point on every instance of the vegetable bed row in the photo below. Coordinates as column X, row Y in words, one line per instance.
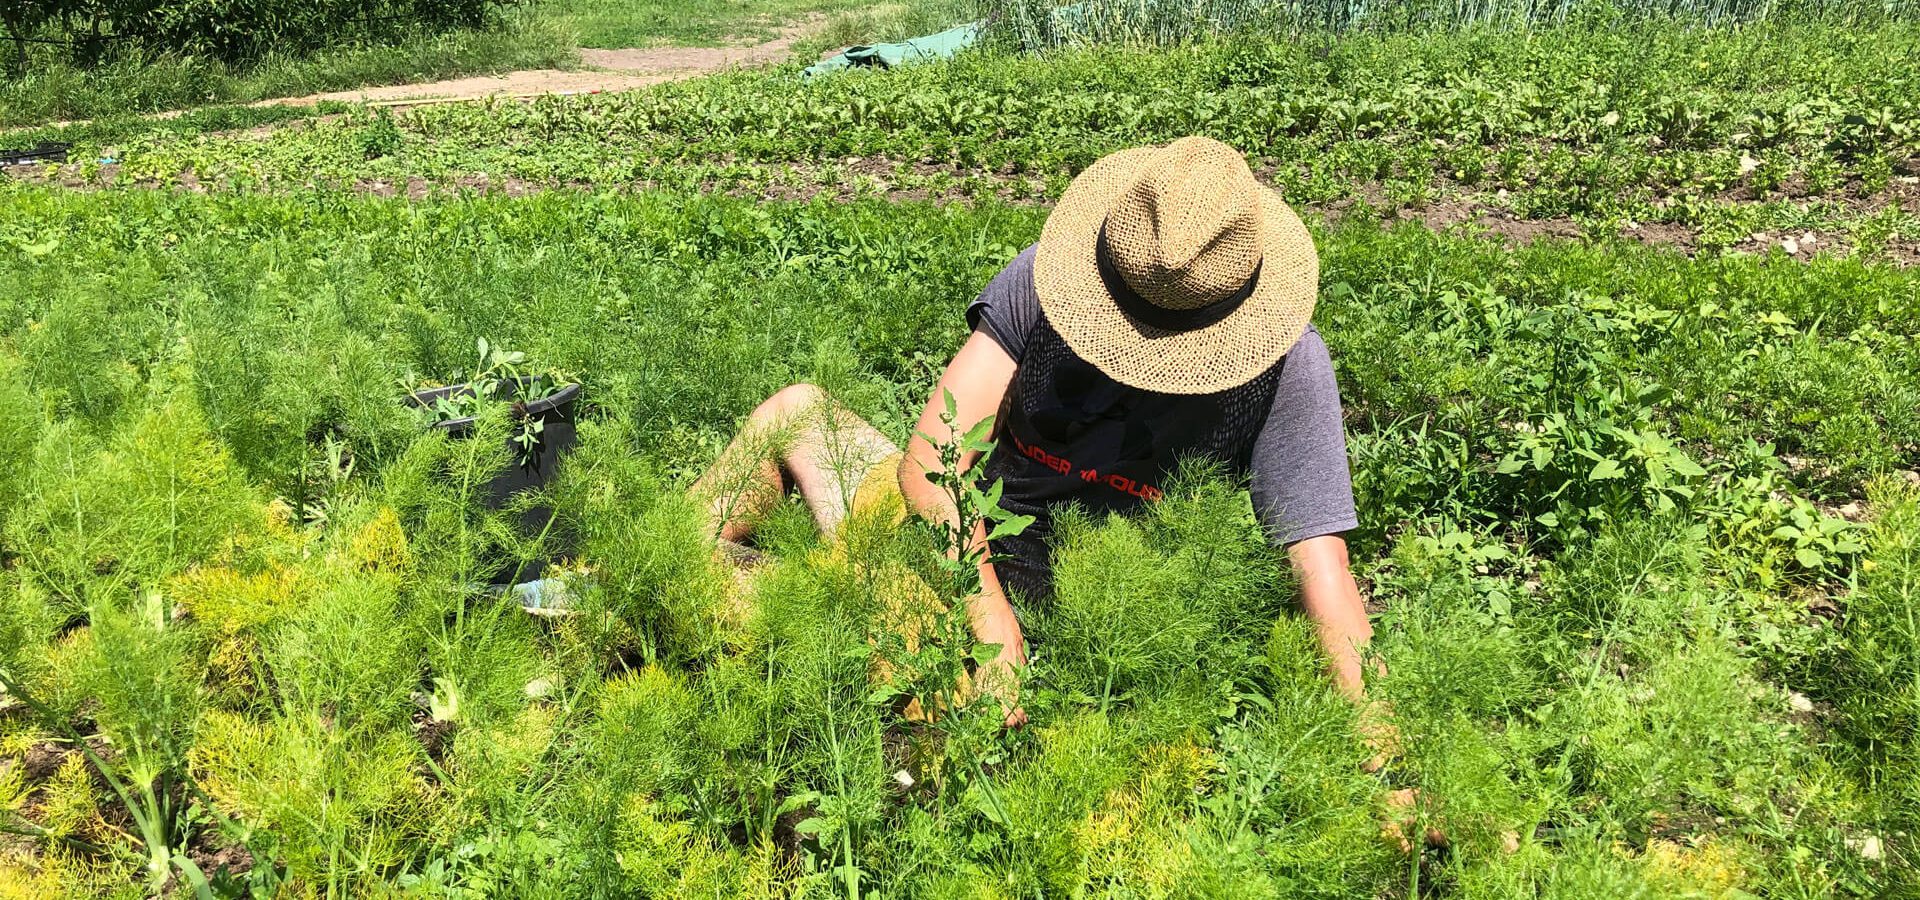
column 1783, row 128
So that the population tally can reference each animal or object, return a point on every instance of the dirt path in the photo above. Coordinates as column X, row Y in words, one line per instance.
column 608, row 70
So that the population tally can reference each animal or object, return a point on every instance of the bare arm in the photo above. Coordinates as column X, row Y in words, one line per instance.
column 977, row 377
column 1332, row 600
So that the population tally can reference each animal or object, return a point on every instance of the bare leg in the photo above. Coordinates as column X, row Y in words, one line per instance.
column 800, row 435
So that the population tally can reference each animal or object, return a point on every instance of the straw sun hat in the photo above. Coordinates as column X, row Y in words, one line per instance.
column 1172, row 270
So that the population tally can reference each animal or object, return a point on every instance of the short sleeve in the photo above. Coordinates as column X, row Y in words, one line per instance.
column 1301, row 485
column 1007, row 308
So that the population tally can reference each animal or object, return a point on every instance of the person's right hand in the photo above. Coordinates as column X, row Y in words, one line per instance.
column 1402, row 822
column 1377, row 732
column 1000, row 679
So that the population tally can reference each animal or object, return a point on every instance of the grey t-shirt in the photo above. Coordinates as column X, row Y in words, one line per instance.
column 1297, row 464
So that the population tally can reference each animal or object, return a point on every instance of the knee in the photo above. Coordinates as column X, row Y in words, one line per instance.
column 788, row 402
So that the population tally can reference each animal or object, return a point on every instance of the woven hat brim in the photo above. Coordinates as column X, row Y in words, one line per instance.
column 1221, row 356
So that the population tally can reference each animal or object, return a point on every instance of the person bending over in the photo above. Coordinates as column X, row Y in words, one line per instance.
column 1163, row 314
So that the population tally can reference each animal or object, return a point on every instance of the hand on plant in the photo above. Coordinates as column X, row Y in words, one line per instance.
column 1377, row 731
column 1000, row 679
column 1403, row 821
column 969, row 520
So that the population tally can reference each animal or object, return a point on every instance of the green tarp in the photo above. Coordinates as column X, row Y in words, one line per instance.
column 886, row 56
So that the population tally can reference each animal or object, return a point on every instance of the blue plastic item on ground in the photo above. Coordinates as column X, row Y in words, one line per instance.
column 886, row 56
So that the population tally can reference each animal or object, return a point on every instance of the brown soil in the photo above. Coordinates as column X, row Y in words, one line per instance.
column 42, row 760
column 608, row 70
column 1457, row 213
column 435, row 737
column 207, row 851
column 236, row 860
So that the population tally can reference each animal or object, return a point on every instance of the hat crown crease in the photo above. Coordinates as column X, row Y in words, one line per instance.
column 1187, row 233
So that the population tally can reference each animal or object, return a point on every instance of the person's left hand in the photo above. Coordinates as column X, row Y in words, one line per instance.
column 1375, row 725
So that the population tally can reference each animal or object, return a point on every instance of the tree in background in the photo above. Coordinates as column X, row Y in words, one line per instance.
column 86, row 31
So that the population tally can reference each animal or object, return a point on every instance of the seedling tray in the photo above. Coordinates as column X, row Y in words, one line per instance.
column 555, row 406
column 530, row 471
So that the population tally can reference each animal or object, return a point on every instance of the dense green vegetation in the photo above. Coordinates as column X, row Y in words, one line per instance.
column 138, row 82
column 120, row 129
column 1044, row 23
column 1641, row 526
column 1781, row 129
column 645, row 23
column 1635, row 520
column 87, row 31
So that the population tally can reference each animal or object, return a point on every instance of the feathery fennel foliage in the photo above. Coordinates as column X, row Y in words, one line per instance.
column 1607, row 679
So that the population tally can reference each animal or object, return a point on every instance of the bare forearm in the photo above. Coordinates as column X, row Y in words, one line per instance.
column 988, row 611
column 1341, row 620
column 992, row 616
column 1332, row 600
column 924, row 498
column 970, row 390
column 993, row 622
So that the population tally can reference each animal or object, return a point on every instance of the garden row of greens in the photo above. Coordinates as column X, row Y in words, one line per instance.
column 1044, row 23
column 1778, row 128
column 1597, row 487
